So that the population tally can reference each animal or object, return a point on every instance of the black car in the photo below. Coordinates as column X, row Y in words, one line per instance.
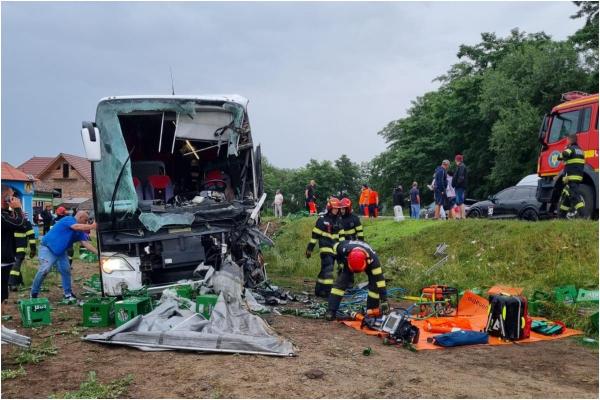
column 513, row 202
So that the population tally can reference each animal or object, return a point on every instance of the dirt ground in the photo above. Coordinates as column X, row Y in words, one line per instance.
column 555, row 369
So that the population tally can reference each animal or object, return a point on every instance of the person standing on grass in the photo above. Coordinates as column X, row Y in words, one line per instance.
column 310, row 195
column 12, row 221
column 398, row 203
column 415, row 202
column 278, row 204
column 440, row 184
column 53, row 250
column 459, row 182
column 450, row 198
column 47, row 218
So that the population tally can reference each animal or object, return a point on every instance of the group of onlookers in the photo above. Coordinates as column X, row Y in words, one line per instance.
column 449, row 188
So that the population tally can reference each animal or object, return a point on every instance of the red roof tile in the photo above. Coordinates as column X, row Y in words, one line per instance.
column 81, row 164
column 35, row 165
column 10, row 173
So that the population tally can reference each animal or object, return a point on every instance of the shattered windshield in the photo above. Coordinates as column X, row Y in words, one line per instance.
column 165, row 138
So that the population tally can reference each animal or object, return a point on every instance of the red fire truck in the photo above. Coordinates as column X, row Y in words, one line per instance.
column 578, row 113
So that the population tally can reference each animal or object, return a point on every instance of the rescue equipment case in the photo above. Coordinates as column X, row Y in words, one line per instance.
column 508, row 317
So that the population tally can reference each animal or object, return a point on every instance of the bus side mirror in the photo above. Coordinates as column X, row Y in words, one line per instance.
column 91, row 141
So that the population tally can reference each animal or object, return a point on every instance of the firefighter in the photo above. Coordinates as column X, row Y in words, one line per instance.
column 24, row 236
column 326, row 233
column 571, row 202
column 351, row 227
column 356, row 257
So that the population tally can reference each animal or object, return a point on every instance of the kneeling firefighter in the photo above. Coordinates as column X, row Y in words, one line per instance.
column 352, row 228
column 571, row 202
column 326, row 233
column 356, row 257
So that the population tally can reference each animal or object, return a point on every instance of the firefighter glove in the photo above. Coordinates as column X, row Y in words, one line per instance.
column 308, row 253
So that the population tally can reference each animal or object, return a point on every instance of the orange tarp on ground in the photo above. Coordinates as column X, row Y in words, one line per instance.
column 474, row 309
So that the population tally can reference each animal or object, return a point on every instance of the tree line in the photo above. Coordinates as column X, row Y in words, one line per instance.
column 489, row 107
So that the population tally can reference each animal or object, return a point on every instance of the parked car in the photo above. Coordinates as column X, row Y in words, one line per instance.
column 513, row 202
column 429, row 211
column 529, row 180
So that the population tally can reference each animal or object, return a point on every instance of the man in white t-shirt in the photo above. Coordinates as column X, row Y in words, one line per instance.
column 278, row 204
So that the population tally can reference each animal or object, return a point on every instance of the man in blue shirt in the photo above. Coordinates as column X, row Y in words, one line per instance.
column 54, row 246
column 440, row 183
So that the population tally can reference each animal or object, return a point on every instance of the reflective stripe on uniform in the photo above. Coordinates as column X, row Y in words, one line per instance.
column 317, row 231
column 359, row 228
column 380, row 284
column 377, row 271
column 337, row 292
column 15, row 273
column 20, row 234
column 564, row 208
column 21, row 249
column 373, row 295
column 328, row 250
column 335, row 246
column 313, row 241
column 32, row 241
column 349, row 232
column 30, row 232
column 575, row 178
column 581, row 204
column 325, row 281
column 325, row 234
column 575, row 161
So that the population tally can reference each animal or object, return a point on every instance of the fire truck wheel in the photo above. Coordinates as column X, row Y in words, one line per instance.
column 588, row 195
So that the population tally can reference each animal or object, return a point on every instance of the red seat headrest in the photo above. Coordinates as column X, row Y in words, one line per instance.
column 136, row 182
column 214, row 175
column 159, row 181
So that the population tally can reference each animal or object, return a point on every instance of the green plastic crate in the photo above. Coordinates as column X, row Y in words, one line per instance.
column 35, row 312
column 185, row 291
column 587, row 296
column 141, row 292
column 99, row 311
column 205, row 303
column 565, row 294
column 128, row 308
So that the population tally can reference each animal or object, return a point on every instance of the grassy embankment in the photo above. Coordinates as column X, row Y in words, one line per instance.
column 534, row 256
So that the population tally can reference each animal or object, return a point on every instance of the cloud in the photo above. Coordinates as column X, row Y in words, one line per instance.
column 322, row 78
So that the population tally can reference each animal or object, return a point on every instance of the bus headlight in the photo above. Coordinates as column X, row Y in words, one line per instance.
column 110, row 264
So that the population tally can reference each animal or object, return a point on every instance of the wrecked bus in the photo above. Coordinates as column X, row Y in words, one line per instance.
column 177, row 188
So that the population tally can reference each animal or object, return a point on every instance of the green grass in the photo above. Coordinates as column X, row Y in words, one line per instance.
column 482, row 253
column 13, row 373
column 36, row 354
column 92, row 389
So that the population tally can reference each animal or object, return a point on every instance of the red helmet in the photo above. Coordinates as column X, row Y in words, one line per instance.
column 61, row 210
column 333, row 203
column 346, row 203
column 357, row 260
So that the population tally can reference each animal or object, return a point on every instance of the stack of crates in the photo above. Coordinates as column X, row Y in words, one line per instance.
column 99, row 311
column 94, row 283
column 205, row 303
column 35, row 312
column 127, row 309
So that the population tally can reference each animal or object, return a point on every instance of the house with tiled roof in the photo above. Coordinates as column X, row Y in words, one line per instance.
column 67, row 176
column 22, row 184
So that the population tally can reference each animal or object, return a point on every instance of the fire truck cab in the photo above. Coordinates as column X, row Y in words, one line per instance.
column 577, row 114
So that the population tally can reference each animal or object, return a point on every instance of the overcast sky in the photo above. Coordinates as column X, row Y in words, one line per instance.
column 322, row 78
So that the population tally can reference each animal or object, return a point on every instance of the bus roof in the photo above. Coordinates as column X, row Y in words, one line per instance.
column 233, row 98
column 583, row 100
